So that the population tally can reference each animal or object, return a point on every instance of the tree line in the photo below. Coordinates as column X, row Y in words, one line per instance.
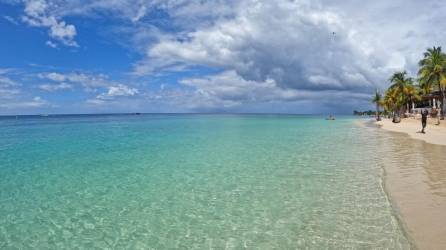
column 405, row 90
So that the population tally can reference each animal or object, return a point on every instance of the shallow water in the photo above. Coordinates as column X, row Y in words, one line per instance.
column 193, row 181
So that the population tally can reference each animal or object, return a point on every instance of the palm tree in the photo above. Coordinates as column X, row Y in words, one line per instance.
column 432, row 73
column 399, row 81
column 398, row 90
column 377, row 99
column 392, row 102
column 412, row 93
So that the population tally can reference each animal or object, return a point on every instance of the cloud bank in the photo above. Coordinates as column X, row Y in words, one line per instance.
column 259, row 55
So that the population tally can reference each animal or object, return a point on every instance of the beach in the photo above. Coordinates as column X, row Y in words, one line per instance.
column 416, row 179
column 435, row 134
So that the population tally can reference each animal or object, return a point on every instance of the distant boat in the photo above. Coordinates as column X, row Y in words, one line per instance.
column 44, row 115
column 330, row 118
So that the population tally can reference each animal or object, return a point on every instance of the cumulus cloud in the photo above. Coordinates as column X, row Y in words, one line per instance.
column 184, row 13
column 230, row 86
column 54, row 76
column 261, row 52
column 8, row 93
column 109, row 97
column 229, row 90
column 301, row 47
column 38, row 14
column 55, row 87
column 36, row 102
column 11, row 96
column 9, row 88
column 298, row 44
column 11, row 20
column 117, row 91
column 51, row 44
column 90, row 82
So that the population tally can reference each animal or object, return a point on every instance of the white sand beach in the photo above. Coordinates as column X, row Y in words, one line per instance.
column 417, row 184
column 435, row 134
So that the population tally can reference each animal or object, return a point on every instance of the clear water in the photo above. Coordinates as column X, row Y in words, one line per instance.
column 192, row 182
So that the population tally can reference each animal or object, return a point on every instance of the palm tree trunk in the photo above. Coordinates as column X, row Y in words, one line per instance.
column 378, row 118
column 443, row 99
column 395, row 114
column 443, row 106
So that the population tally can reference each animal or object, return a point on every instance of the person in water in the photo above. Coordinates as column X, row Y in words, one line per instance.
column 424, row 120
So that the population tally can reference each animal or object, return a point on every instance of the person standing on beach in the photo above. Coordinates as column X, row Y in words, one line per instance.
column 424, row 120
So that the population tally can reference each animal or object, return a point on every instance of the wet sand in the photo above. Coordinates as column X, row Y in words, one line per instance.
column 416, row 181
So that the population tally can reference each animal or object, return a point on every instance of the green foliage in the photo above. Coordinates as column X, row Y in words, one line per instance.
column 364, row 113
column 432, row 72
column 377, row 98
column 403, row 90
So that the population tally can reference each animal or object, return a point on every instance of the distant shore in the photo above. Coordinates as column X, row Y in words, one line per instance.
column 435, row 134
column 417, row 184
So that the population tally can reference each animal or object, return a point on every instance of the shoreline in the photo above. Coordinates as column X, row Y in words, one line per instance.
column 396, row 212
column 416, row 185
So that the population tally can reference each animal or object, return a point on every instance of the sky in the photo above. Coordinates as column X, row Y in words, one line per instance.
column 234, row 56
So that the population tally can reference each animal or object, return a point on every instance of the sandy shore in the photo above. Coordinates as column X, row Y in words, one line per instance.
column 435, row 134
column 416, row 180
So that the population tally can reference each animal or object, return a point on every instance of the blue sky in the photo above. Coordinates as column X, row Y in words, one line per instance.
column 281, row 56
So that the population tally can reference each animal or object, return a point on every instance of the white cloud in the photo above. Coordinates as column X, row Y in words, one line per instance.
column 117, row 91
column 289, row 42
column 6, row 81
column 12, row 97
column 314, row 47
column 54, row 76
column 266, row 51
column 11, row 20
column 8, row 93
column 36, row 102
column 38, row 14
column 55, row 87
column 230, row 86
column 109, row 98
column 229, row 90
column 9, row 88
column 121, row 90
column 90, row 82
column 95, row 101
column 140, row 14
column 51, row 44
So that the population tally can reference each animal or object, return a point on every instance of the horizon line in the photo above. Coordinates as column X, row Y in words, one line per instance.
column 169, row 113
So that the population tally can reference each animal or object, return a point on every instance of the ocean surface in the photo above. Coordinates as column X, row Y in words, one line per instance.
column 193, row 182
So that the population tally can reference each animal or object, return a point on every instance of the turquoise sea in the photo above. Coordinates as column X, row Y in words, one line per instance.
column 193, row 182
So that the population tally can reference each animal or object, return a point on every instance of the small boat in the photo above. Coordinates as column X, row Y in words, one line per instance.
column 330, row 118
